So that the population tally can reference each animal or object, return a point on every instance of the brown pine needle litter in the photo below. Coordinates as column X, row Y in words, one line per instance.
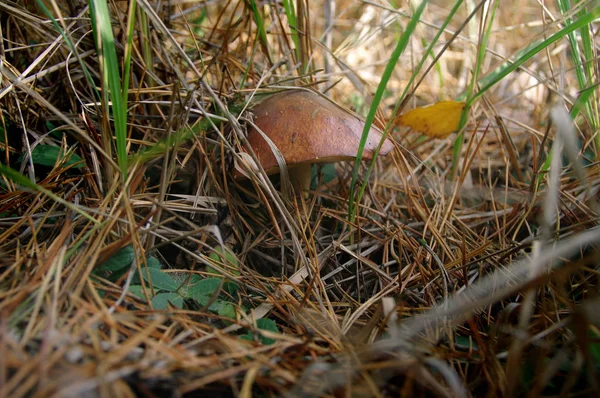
column 133, row 263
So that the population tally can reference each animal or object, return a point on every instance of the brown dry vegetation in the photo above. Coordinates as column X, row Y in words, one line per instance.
column 481, row 283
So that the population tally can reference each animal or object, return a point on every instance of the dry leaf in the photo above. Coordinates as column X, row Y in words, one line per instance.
column 435, row 121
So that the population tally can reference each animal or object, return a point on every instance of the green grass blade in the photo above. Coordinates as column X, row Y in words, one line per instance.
column 290, row 12
column 508, row 67
column 389, row 68
column 584, row 101
column 416, row 70
column 588, row 66
column 584, row 98
column 112, row 92
column 583, row 60
column 26, row 183
column 67, row 39
column 428, row 53
column 481, row 51
column 564, row 6
column 128, row 49
column 503, row 70
column 260, row 25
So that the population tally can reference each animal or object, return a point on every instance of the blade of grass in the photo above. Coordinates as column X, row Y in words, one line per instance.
column 67, row 39
column 128, row 48
column 583, row 61
column 510, row 66
column 260, row 25
column 584, row 97
column 406, row 93
column 290, row 12
column 112, row 91
column 146, row 48
column 481, row 51
column 586, row 93
column 409, row 89
column 387, row 73
column 173, row 141
column 23, row 181
column 506, row 68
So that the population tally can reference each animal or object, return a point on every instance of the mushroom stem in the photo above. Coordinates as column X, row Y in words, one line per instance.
column 300, row 178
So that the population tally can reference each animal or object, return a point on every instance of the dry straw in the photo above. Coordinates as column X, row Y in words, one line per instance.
column 133, row 263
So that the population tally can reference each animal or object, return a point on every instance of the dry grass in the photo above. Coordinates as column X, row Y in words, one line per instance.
column 481, row 284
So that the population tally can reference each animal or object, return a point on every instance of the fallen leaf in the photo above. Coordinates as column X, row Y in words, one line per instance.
column 435, row 121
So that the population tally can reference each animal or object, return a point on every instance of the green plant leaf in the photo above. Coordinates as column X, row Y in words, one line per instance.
column 118, row 261
column 137, row 291
column 226, row 310
column 162, row 300
column 185, row 282
column 225, row 257
column 503, row 70
column 159, row 279
column 465, row 341
column 328, row 171
column 262, row 324
column 204, row 301
column 152, row 262
column 267, row 324
column 231, row 287
column 258, row 19
column 204, row 289
column 49, row 155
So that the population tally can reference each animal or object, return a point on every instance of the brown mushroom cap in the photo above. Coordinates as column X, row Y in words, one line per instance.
column 307, row 128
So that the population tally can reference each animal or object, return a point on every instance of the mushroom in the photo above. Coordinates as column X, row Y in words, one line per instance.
column 307, row 128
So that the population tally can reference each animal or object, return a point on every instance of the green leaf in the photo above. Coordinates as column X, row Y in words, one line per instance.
column 528, row 373
column 267, row 324
column 159, row 279
column 292, row 19
column 137, row 291
column 52, row 129
column 258, row 19
column 162, row 300
column 328, row 171
column 203, row 292
column 465, row 341
column 263, row 324
column 231, row 287
column 226, row 310
column 203, row 289
column 152, row 262
column 49, row 155
column 186, row 282
column 214, row 306
column 224, row 257
column 118, row 261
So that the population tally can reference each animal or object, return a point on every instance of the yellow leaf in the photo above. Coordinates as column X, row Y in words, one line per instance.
column 435, row 121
